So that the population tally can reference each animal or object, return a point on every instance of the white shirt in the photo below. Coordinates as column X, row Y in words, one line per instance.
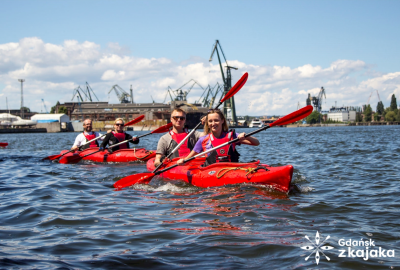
column 81, row 139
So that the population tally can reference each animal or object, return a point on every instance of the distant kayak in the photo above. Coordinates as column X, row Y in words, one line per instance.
column 123, row 155
column 3, row 144
column 228, row 173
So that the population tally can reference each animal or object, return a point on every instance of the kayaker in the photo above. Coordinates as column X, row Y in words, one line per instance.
column 116, row 136
column 86, row 136
column 170, row 140
column 217, row 132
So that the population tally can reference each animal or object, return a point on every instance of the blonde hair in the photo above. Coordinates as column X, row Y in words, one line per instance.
column 225, row 127
column 119, row 119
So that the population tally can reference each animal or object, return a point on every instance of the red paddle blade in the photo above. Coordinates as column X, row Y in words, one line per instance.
column 236, row 87
column 70, row 159
column 134, row 121
column 3, row 144
column 294, row 116
column 134, row 179
column 163, row 128
column 53, row 157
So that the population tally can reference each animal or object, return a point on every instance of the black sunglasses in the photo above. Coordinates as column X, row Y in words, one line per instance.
column 119, row 125
column 178, row 117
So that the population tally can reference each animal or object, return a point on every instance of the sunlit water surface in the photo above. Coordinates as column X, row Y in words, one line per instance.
column 55, row 216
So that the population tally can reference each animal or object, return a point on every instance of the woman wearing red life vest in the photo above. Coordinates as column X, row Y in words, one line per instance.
column 217, row 132
column 116, row 136
column 170, row 140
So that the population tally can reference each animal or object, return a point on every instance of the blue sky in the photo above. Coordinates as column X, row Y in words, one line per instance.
column 258, row 33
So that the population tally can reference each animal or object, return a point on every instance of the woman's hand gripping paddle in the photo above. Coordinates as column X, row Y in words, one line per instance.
column 134, row 121
column 76, row 159
column 146, row 177
column 238, row 85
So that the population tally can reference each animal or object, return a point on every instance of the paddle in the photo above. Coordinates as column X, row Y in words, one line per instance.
column 146, row 177
column 132, row 122
column 3, row 144
column 76, row 159
column 239, row 84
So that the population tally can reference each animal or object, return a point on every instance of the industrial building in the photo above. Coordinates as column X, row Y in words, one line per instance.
column 342, row 114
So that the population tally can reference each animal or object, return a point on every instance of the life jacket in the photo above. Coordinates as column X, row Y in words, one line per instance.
column 227, row 153
column 88, row 138
column 120, row 137
column 185, row 148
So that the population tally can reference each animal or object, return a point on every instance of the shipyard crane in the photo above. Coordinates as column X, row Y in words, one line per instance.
column 229, row 105
column 180, row 94
column 210, row 95
column 77, row 92
column 88, row 90
column 44, row 106
column 317, row 101
column 371, row 95
column 121, row 94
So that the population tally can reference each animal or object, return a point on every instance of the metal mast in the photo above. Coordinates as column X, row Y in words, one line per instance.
column 22, row 98
column 229, row 105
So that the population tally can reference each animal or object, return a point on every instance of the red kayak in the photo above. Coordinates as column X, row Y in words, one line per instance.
column 123, row 155
column 228, row 173
column 3, row 144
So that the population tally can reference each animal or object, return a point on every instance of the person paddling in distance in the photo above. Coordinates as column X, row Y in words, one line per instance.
column 116, row 136
column 86, row 136
column 217, row 133
column 170, row 140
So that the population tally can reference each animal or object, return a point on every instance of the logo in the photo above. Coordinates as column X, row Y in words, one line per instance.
column 222, row 151
column 211, row 172
column 317, row 248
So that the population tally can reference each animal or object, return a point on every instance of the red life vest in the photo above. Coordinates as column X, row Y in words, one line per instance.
column 91, row 137
column 183, row 149
column 224, row 153
column 120, row 137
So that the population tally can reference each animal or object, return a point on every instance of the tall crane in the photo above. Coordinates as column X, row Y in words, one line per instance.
column 44, row 106
column 77, row 92
column 317, row 101
column 123, row 96
column 88, row 90
column 229, row 105
column 180, row 94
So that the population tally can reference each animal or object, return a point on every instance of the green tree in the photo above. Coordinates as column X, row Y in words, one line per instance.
column 398, row 115
column 380, row 108
column 368, row 113
column 313, row 117
column 26, row 109
column 393, row 103
column 53, row 109
column 390, row 116
column 63, row 109
column 358, row 117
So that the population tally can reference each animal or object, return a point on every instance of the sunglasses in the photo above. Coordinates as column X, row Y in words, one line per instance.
column 178, row 117
column 119, row 125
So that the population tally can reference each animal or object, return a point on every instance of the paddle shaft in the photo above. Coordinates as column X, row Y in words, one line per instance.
column 112, row 146
column 212, row 149
column 184, row 140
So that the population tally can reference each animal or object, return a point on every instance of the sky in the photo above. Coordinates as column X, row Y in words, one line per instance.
column 289, row 49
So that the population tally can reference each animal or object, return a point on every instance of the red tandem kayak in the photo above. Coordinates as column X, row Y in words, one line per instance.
column 3, row 144
column 228, row 173
column 123, row 155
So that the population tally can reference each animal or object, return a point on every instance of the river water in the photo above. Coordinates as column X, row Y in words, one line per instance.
column 56, row 216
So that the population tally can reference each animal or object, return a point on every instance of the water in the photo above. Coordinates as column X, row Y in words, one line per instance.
column 55, row 216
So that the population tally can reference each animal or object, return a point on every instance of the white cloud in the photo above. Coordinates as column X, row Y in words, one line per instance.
column 52, row 72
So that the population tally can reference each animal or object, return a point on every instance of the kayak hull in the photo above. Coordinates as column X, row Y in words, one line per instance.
column 123, row 155
column 228, row 173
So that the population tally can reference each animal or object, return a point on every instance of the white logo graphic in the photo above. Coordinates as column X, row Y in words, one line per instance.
column 317, row 247
column 211, row 172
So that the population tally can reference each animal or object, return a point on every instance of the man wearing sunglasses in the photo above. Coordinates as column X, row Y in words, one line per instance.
column 178, row 133
column 85, row 136
column 116, row 136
